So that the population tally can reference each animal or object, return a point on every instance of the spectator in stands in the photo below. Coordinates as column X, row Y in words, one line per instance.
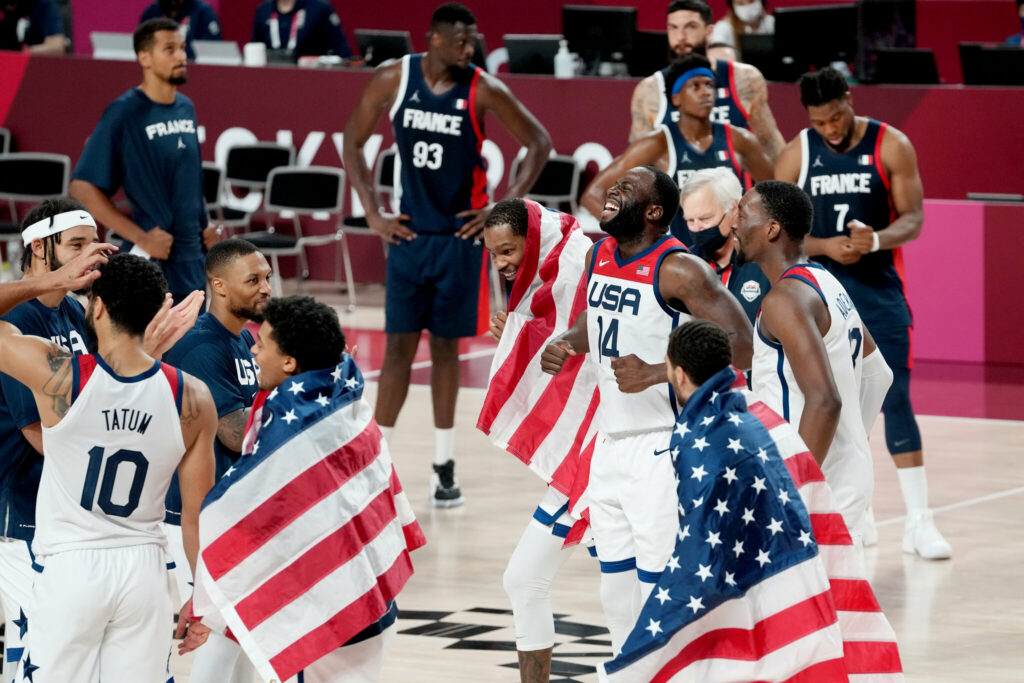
column 744, row 16
column 197, row 20
column 1018, row 38
column 302, row 27
column 31, row 25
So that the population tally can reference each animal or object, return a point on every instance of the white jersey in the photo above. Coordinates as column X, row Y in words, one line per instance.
column 772, row 379
column 109, row 461
column 626, row 315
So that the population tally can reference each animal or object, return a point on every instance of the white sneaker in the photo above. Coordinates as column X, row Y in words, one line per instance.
column 868, row 531
column 920, row 536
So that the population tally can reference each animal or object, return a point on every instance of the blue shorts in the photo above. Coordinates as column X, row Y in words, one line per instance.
column 902, row 434
column 436, row 283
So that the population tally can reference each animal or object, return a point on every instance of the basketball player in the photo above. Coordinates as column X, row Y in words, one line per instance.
column 741, row 95
column 541, row 254
column 641, row 285
column 54, row 232
column 146, row 143
column 691, row 143
column 217, row 351
column 862, row 178
column 100, row 607
column 811, row 348
column 436, row 102
column 709, row 198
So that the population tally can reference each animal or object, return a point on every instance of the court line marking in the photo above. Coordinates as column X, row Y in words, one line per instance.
column 469, row 355
column 977, row 500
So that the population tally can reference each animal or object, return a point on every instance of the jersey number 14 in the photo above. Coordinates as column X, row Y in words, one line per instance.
column 109, row 468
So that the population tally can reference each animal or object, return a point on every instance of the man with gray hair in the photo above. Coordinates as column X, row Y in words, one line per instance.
column 709, row 198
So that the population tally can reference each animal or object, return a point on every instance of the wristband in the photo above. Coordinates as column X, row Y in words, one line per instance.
column 874, row 242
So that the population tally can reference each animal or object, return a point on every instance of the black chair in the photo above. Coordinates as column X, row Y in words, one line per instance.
column 557, row 184
column 316, row 191
column 28, row 177
column 248, row 167
column 5, row 141
column 992, row 64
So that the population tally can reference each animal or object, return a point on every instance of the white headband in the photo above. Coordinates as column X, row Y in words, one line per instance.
column 54, row 224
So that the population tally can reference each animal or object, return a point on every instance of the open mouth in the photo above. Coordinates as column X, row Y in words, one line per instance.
column 611, row 207
column 509, row 274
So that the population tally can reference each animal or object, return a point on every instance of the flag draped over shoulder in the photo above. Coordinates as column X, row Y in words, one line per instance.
column 306, row 539
column 544, row 420
column 764, row 583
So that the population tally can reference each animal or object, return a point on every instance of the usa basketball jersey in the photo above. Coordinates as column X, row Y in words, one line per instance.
column 440, row 170
column 727, row 107
column 855, row 186
column 773, row 382
column 110, row 459
column 626, row 315
column 684, row 160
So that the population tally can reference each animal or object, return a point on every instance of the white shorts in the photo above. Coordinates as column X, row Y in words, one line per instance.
column 552, row 514
column 16, row 578
column 633, row 502
column 103, row 613
column 357, row 663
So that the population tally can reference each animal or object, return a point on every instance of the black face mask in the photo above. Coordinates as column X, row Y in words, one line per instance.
column 709, row 240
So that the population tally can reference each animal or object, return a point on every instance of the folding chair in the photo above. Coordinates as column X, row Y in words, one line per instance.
column 28, row 177
column 248, row 167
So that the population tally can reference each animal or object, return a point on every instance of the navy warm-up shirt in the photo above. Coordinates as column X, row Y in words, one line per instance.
column 317, row 29
column 224, row 362
column 152, row 151
column 31, row 29
column 20, row 464
column 197, row 18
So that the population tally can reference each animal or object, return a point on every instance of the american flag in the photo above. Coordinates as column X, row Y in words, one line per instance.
column 764, row 583
column 305, row 541
column 544, row 421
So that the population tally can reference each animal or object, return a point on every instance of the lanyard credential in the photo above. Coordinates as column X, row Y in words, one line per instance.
column 293, row 34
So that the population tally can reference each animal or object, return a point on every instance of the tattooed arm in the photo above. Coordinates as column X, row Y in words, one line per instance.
column 231, row 428
column 753, row 94
column 40, row 365
column 643, row 108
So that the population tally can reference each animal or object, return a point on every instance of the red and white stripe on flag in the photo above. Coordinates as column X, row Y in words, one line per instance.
column 305, row 553
column 544, row 421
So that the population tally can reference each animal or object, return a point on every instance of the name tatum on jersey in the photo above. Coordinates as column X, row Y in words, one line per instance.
column 129, row 419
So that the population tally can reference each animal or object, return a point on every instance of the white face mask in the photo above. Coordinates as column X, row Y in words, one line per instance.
column 748, row 13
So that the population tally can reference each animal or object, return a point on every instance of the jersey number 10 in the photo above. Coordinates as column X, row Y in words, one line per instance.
column 110, row 468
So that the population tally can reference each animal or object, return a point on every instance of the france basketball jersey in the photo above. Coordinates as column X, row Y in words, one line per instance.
column 110, row 459
column 848, row 464
column 626, row 315
column 727, row 107
column 855, row 186
column 684, row 160
column 439, row 171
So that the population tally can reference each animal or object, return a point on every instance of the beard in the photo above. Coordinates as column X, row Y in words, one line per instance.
column 55, row 264
column 91, row 340
column 178, row 80
column 627, row 224
column 248, row 313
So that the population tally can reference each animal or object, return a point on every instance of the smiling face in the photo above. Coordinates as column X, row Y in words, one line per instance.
column 245, row 282
column 834, row 122
column 687, row 32
column 274, row 365
column 625, row 205
column 506, row 248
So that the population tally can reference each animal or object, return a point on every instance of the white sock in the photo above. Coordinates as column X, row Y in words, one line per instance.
column 444, row 445
column 386, row 431
column 914, row 485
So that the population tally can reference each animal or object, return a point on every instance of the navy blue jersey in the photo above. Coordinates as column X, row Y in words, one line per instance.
column 31, row 26
column 224, row 362
column 745, row 280
column 312, row 27
column 20, row 464
column 441, row 171
column 684, row 160
column 152, row 151
column 197, row 19
column 727, row 108
column 855, row 186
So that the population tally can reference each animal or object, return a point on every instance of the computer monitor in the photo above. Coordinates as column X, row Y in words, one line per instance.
column 531, row 53
column 905, row 65
column 599, row 33
column 992, row 64
column 816, row 36
column 222, row 52
column 118, row 46
column 649, row 54
column 379, row 46
column 759, row 50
